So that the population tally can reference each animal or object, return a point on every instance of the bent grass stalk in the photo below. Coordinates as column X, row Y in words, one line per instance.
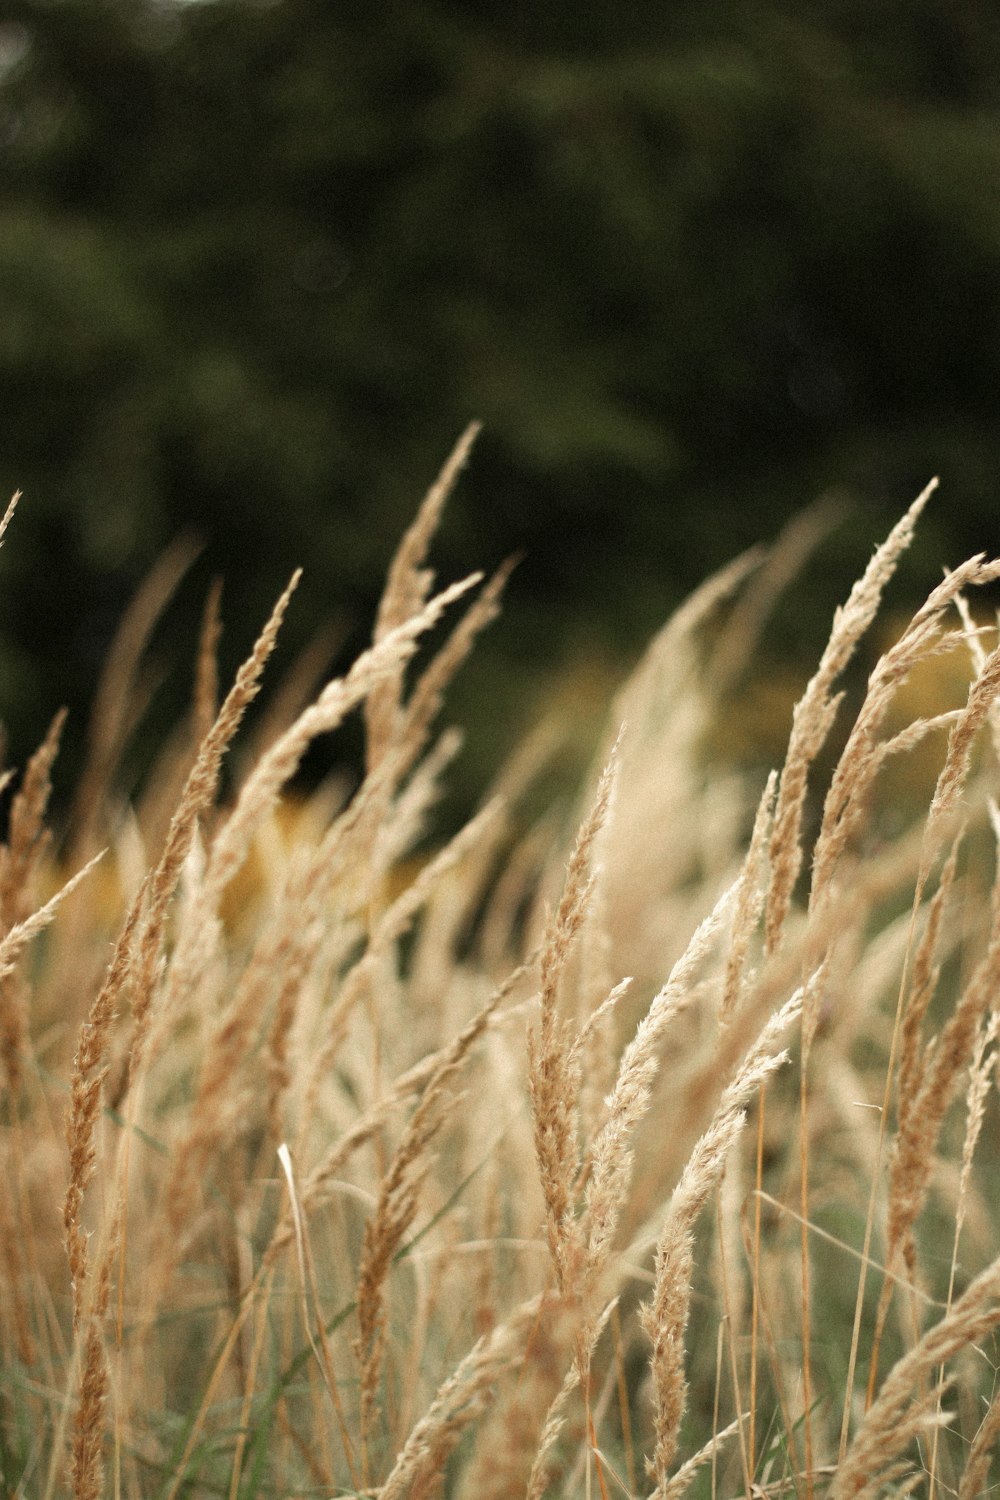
column 370, row 1139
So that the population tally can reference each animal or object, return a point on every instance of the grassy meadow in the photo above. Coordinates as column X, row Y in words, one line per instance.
column 642, row 1151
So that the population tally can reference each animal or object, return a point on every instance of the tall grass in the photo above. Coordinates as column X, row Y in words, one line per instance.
column 653, row 1159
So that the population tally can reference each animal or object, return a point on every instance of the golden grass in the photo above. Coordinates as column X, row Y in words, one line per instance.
column 335, row 1168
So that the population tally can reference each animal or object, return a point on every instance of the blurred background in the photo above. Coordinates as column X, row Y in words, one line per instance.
column 692, row 264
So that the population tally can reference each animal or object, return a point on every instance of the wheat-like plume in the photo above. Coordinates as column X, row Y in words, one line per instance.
column 383, row 1179
column 897, row 1415
column 553, row 1061
column 406, row 592
column 665, row 1316
column 459, row 1401
column 816, row 709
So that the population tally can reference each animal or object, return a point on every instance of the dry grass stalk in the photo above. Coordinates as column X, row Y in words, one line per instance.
column 199, row 792
column 280, row 762
column 17, row 1340
column 28, row 839
column 336, row 999
column 815, row 712
column 17, row 939
column 121, row 696
column 407, row 588
column 210, row 1113
column 748, row 907
column 425, row 701
column 977, row 653
column 308, row 1287
column 393, row 925
column 863, row 755
column 982, row 1451
column 669, row 653
column 980, row 1080
column 89, row 1072
column 981, row 704
column 896, row 1415
column 554, row 1062
column 923, row 985
column 291, row 960
column 395, row 1210
column 845, row 807
column 405, row 820
column 206, row 672
column 299, row 685
column 20, row 856
column 317, row 1186
column 665, row 1316
column 8, row 514
column 555, row 1421
column 915, row 1146
column 505, row 1444
column 612, row 1153
column 555, row 1417
column 906, row 1194
column 86, row 1460
column 138, row 949
column 681, row 1482
column 780, row 567
column 459, row 1401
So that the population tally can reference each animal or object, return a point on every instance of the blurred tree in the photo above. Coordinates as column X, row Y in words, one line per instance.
column 260, row 262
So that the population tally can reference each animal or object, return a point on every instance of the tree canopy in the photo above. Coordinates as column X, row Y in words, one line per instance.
column 691, row 265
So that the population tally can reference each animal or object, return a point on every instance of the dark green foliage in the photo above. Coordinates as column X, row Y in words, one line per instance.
column 691, row 264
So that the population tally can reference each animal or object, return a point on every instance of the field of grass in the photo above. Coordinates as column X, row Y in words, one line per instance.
column 654, row 1157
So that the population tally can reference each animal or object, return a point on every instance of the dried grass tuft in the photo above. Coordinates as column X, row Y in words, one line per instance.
column 390, row 1163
